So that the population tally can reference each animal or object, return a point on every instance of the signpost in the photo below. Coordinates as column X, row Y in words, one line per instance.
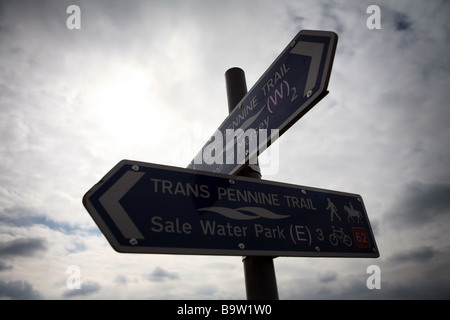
column 293, row 84
column 207, row 209
column 148, row 208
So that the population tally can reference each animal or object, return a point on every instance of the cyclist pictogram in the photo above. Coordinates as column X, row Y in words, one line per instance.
column 339, row 235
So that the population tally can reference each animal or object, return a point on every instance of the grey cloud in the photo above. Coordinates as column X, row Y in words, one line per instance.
column 438, row 291
column 422, row 286
column 416, row 288
column 87, row 288
column 331, row 16
column 159, row 275
column 4, row 266
column 121, row 279
column 206, row 290
column 421, row 204
column 420, row 254
column 26, row 217
column 22, row 247
column 402, row 22
column 327, row 276
column 343, row 289
column 18, row 289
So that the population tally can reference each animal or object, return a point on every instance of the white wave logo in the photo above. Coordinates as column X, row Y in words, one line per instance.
column 238, row 215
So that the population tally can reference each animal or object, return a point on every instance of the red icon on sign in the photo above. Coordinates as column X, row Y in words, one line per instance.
column 361, row 237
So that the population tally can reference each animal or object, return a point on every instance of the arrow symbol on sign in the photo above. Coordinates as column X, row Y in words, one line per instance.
column 313, row 50
column 110, row 201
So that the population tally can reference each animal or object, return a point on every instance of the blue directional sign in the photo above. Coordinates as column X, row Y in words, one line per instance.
column 292, row 85
column 149, row 208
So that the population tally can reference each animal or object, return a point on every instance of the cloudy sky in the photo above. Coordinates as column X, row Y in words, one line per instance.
column 144, row 80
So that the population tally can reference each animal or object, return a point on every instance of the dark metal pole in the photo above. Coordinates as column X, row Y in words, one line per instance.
column 259, row 272
column 236, row 86
column 260, row 278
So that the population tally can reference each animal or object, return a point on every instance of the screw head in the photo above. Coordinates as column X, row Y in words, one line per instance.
column 135, row 168
column 304, row 191
column 317, row 249
column 309, row 93
column 231, row 181
column 133, row 241
column 241, row 246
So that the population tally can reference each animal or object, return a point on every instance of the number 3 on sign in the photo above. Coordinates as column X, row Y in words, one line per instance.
column 361, row 237
column 319, row 234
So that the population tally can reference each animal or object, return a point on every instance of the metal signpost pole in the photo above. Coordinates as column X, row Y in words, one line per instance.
column 259, row 272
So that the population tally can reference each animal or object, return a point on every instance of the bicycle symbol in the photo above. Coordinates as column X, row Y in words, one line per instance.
column 339, row 235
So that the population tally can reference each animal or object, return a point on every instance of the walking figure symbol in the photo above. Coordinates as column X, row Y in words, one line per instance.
column 332, row 207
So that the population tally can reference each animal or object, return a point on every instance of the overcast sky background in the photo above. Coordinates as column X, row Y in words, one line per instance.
column 144, row 80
